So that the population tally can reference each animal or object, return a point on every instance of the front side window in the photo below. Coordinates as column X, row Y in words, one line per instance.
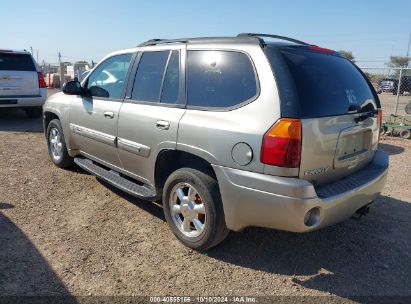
column 108, row 79
column 149, row 76
column 219, row 79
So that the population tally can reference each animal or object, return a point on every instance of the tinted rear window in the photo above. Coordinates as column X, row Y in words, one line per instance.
column 149, row 77
column 323, row 84
column 16, row 62
column 219, row 79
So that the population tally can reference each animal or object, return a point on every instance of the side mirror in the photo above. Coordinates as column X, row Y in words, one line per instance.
column 72, row 88
column 98, row 92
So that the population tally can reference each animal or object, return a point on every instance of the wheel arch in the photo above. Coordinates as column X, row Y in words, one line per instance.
column 47, row 117
column 169, row 160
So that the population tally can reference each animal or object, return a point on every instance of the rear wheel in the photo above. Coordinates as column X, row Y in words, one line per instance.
column 33, row 112
column 193, row 209
column 57, row 145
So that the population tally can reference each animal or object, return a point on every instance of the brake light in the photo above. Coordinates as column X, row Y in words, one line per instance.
column 282, row 144
column 42, row 82
column 320, row 49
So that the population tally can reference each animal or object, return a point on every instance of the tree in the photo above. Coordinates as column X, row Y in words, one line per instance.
column 347, row 54
column 399, row 61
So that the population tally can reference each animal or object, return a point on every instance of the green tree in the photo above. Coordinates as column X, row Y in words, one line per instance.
column 347, row 54
column 399, row 61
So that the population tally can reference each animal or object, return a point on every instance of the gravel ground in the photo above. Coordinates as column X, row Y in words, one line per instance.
column 62, row 232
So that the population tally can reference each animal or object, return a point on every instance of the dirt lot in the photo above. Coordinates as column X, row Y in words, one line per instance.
column 62, row 232
column 388, row 102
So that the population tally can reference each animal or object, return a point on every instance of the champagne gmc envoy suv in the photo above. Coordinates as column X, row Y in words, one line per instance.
column 254, row 130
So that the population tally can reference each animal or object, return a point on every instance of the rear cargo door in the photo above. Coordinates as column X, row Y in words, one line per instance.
column 18, row 75
column 338, row 111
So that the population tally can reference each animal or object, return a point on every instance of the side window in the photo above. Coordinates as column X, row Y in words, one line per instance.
column 171, row 84
column 219, row 78
column 149, row 76
column 107, row 80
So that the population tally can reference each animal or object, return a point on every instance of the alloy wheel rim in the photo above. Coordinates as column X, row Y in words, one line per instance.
column 55, row 144
column 187, row 210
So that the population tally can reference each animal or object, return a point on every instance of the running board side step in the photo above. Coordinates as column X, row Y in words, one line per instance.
column 114, row 178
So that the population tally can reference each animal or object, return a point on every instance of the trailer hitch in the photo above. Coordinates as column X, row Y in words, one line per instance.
column 364, row 210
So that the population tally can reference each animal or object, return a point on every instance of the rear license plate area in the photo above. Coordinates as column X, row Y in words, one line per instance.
column 353, row 148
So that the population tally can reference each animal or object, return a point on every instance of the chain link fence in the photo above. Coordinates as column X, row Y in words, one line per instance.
column 393, row 86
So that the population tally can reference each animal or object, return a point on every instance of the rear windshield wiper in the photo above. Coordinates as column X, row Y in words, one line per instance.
column 364, row 116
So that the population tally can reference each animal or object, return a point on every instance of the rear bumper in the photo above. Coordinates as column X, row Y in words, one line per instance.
column 24, row 101
column 253, row 199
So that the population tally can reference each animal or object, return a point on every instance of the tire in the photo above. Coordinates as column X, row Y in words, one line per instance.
column 206, row 198
column 58, row 149
column 406, row 134
column 34, row 112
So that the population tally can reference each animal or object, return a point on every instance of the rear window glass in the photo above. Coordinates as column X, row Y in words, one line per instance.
column 16, row 62
column 147, row 84
column 219, row 79
column 325, row 85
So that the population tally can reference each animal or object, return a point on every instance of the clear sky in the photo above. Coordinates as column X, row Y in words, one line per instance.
column 89, row 29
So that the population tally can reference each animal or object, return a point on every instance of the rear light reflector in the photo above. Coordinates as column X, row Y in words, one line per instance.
column 42, row 82
column 379, row 122
column 282, row 144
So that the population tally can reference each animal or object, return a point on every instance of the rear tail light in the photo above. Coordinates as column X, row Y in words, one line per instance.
column 282, row 144
column 42, row 82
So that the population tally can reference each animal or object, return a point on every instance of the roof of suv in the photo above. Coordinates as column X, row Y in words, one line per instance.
column 249, row 38
column 14, row 51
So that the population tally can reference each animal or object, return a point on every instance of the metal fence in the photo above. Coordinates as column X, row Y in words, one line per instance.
column 393, row 86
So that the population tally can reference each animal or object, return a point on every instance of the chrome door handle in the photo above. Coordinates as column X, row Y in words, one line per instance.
column 109, row 115
column 162, row 124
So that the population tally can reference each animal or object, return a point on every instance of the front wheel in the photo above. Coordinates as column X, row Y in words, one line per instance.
column 57, row 145
column 193, row 209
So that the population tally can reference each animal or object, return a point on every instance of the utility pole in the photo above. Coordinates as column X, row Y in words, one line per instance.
column 31, row 50
column 37, row 56
column 62, row 72
column 408, row 49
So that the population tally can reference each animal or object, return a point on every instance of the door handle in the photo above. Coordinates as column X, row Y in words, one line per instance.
column 162, row 124
column 109, row 115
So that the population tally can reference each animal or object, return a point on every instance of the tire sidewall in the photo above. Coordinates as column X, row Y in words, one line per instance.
column 188, row 176
column 62, row 162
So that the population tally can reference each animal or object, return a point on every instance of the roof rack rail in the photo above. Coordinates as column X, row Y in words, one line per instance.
column 272, row 36
column 161, row 41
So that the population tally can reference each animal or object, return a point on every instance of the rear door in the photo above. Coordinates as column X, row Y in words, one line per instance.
column 338, row 110
column 18, row 75
column 151, row 112
column 94, row 118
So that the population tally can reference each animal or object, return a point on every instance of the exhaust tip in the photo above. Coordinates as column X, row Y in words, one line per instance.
column 312, row 217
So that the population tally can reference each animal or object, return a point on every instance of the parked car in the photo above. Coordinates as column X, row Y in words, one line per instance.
column 228, row 132
column 391, row 85
column 22, row 84
column 387, row 85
